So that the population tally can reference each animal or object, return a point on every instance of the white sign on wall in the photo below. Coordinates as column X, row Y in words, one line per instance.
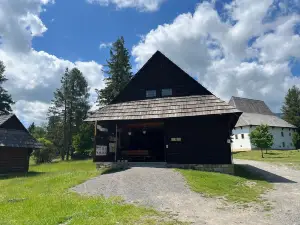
column 101, row 150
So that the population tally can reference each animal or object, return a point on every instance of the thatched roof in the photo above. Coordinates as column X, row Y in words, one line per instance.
column 157, row 108
column 18, row 139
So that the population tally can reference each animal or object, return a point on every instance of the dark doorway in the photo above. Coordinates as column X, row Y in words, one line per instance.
column 142, row 142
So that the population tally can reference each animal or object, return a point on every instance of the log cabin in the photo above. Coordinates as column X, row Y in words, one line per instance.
column 164, row 115
column 16, row 145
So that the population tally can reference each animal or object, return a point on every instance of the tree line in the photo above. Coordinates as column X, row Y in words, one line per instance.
column 65, row 133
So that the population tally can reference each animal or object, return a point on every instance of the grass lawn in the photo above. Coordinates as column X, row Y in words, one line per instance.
column 42, row 197
column 289, row 157
column 242, row 188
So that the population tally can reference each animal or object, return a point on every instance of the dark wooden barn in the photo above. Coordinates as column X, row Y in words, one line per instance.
column 16, row 145
column 164, row 115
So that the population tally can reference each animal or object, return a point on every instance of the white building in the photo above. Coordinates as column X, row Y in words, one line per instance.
column 255, row 113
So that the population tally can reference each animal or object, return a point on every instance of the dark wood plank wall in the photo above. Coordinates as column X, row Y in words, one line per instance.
column 14, row 159
column 203, row 140
column 13, row 123
column 157, row 74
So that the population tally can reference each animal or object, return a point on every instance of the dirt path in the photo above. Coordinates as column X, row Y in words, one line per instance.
column 166, row 190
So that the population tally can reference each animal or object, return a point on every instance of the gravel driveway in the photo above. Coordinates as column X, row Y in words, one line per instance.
column 166, row 190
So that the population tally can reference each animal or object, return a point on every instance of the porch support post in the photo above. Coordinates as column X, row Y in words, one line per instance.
column 116, row 145
column 95, row 137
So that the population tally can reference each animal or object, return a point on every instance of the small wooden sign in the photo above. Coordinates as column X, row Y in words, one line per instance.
column 101, row 150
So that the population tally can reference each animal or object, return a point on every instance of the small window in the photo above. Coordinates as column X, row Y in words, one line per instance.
column 166, row 92
column 283, row 144
column 236, row 136
column 242, row 136
column 150, row 93
column 290, row 133
column 282, row 134
column 176, row 139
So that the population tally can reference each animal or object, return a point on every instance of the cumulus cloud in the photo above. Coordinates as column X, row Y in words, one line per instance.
column 34, row 75
column 243, row 49
column 142, row 5
column 105, row 45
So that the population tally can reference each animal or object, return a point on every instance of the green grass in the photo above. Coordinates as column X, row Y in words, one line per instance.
column 242, row 188
column 288, row 157
column 43, row 197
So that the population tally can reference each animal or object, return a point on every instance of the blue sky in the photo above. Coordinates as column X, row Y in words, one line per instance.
column 247, row 48
column 79, row 28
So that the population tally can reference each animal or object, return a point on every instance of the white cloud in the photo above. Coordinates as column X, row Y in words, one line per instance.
column 34, row 75
column 105, row 45
column 142, row 5
column 243, row 50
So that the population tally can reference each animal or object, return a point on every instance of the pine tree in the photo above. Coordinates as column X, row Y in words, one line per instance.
column 5, row 99
column 70, row 104
column 291, row 106
column 31, row 128
column 119, row 72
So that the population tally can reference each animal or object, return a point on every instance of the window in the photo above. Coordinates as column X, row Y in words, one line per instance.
column 176, row 139
column 283, row 144
column 282, row 134
column 166, row 92
column 236, row 136
column 242, row 136
column 290, row 133
column 150, row 93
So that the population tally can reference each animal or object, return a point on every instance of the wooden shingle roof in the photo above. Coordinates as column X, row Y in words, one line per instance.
column 255, row 119
column 248, row 105
column 18, row 139
column 157, row 108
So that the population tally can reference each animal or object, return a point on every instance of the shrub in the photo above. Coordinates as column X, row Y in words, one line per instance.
column 83, row 154
column 46, row 154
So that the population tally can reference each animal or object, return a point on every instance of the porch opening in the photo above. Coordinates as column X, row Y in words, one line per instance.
column 142, row 142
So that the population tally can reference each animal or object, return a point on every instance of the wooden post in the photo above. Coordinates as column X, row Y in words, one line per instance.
column 116, row 146
column 95, row 137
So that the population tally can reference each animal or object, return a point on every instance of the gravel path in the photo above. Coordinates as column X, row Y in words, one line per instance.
column 166, row 190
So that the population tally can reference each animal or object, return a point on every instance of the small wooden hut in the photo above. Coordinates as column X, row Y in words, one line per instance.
column 16, row 145
column 164, row 115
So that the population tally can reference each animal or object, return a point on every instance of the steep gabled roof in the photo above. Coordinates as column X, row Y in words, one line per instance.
column 255, row 113
column 170, row 107
column 17, row 139
column 250, row 105
column 159, row 60
column 16, row 135
column 254, row 119
column 5, row 117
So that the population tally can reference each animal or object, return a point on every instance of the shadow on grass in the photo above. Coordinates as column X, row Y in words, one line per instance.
column 254, row 173
column 18, row 175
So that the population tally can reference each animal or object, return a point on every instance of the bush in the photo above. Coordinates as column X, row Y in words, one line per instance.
column 46, row 154
column 83, row 154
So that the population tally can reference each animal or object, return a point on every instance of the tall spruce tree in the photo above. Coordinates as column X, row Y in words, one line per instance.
column 5, row 99
column 119, row 72
column 70, row 104
column 291, row 107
